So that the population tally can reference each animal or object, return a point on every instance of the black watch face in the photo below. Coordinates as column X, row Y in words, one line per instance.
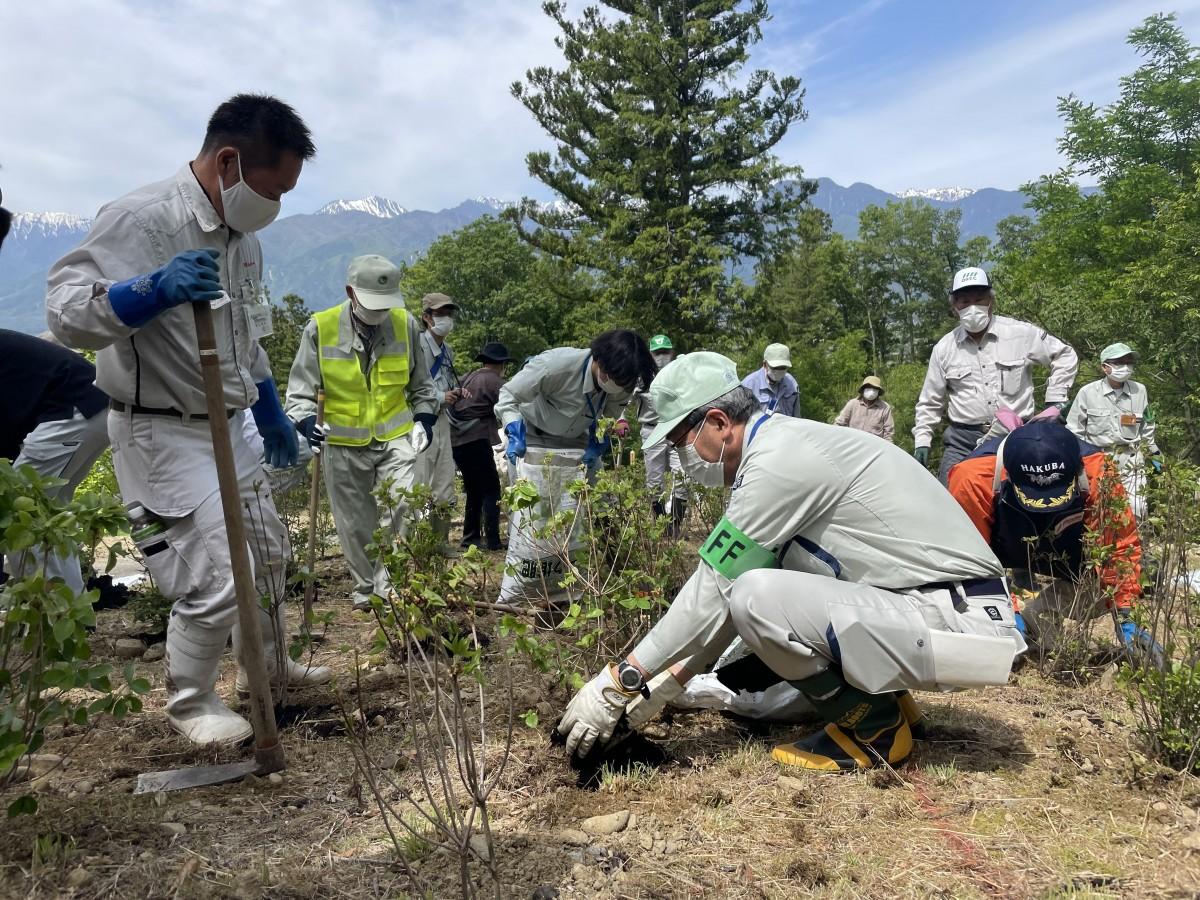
column 631, row 678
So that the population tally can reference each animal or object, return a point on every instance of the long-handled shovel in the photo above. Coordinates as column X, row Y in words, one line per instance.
column 268, row 752
column 314, row 501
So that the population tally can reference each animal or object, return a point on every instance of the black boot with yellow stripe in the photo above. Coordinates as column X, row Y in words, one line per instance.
column 864, row 729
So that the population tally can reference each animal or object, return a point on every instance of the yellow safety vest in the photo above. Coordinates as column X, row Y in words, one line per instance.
column 360, row 408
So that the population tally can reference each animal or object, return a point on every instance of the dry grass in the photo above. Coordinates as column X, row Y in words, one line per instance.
column 1034, row 790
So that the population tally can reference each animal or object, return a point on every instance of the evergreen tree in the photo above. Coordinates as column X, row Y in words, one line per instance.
column 663, row 158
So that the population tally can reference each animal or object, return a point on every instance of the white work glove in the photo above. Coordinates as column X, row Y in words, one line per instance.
column 593, row 713
column 418, row 438
column 663, row 688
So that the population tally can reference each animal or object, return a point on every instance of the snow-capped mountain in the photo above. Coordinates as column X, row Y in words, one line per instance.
column 944, row 194
column 495, row 202
column 47, row 225
column 379, row 207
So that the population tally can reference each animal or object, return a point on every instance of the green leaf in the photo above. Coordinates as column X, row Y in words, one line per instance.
column 25, row 805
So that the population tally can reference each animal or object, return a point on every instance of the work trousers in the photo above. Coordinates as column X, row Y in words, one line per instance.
column 800, row 624
column 482, row 485
column 352, row 476
column 168, row 466
column 660, row 459
column 958, row 442
column 435, row 464
column 66, row 449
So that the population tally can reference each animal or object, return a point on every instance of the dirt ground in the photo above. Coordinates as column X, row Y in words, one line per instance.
column 1032, row 790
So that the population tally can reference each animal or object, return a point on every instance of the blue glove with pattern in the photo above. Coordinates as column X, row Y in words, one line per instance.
column 1140, row 644
column 190, row 277
column 281, row 448
column 516, row 440
column 595, row 450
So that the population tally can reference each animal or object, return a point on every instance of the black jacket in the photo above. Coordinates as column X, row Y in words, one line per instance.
column 41, row 382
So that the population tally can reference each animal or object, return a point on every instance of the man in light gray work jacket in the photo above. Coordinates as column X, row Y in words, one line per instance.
column 1114, row 414
column 982, row 365
column 379, row 410
column 849, row 574
column 435, row 466
column 126, row 292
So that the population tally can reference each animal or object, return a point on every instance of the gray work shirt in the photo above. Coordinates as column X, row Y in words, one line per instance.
column 157, row 365
column 1113, row 418
column 828, row 501
column 558, row 399
column 975, row 379
column 446, row 379
column 304, row 379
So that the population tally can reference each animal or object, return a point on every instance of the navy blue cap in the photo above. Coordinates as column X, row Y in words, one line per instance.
column 1043, row 462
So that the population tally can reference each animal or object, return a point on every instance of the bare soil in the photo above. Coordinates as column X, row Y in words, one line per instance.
column 1037, row 789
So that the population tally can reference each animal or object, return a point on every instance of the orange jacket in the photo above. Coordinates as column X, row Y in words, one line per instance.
column 971, row 484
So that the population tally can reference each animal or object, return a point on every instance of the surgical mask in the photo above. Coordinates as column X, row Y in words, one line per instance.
column 442, row 325
column 609, row 386
column 661, row 359
column 869, row 394
column 975, row 318
column 776, row 375
column 371, row 316
column 1120, row 374
column 245, row 209
column 699, row 469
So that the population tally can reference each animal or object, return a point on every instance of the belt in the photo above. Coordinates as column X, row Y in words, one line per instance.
column 979, row 427
column 118, row 406
column 972, row 587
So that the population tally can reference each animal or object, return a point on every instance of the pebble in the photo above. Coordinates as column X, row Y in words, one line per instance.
column 379, row 721
column 173, row 828
column 791, row 783
column 41, row 763
column 608, row 824
column 389, row 761
column 154, row 653
column 275, row 778
column 479, row 844
column 146, row 855
column 1192, row 841
column 544, row 892
column 572, row 837
column 78, row 877
column 1087, row 767
column 128, row 648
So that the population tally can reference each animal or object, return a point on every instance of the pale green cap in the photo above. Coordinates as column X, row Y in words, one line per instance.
column 684, row 385
column 1116, row 351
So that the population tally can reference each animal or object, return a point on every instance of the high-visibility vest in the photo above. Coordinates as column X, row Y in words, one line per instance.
column 360, row 408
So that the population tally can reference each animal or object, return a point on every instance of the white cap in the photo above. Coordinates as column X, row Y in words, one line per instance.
column 777, row 355
column 376, row 282
column 972, row 277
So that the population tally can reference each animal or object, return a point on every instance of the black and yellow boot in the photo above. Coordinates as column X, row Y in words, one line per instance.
column 913, row 714
column 864, row 729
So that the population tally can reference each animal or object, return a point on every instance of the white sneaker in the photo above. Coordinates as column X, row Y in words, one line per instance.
column 297, row 676
column 205, row 720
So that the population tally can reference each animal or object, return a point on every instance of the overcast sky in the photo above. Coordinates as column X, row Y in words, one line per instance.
column 410, row 98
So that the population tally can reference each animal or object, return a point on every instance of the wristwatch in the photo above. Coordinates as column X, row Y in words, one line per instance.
column 631, row 679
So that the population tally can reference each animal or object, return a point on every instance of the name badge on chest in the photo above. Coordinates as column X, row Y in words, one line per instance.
column 259, row 320
column 1129, row 420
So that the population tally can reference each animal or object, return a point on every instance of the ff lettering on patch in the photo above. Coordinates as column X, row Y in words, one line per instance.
column 730, row 552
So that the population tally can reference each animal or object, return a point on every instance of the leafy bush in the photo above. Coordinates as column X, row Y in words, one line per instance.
column 46, row 673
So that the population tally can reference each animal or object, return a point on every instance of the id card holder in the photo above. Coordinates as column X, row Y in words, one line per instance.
column 259, row 321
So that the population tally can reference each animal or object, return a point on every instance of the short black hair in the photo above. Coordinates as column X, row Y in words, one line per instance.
column 625, row 357
column 5, row 223
column 262, row 128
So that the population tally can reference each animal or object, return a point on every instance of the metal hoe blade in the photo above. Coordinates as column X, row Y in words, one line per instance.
column 181, row 779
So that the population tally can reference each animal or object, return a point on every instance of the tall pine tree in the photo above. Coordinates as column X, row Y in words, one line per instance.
column 663, row 158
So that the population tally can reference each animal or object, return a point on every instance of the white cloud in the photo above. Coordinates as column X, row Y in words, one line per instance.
column 406, row 99
column 984, row 116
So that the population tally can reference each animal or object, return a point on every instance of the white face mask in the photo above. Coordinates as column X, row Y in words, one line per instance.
column 442, row 325
column 661, row 359
column 371, row 316
column 776, row 375
column 246, row 210
column 975, row 318
column 870, row 394
column 699, row 469
column 1120, row 374
column 608, row 385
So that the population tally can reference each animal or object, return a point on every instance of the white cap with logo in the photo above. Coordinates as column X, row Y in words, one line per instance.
column 971, row 277
column 376, row 282
column 777, row 356
column 684, row 385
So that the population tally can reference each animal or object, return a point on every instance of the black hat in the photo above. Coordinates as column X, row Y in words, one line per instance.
column 1043, row 463
column 494, row 352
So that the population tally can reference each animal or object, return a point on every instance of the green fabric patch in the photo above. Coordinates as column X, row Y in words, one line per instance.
column 731, row 552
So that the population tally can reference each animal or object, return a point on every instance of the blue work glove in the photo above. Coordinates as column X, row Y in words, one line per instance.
column 516, row 440
column 595, row 450
column 189, row 277
column 1140, row 644
column 313, row 433
column 1156, row 464
column 278, row 434
column 922, row 455
column 1019, row 621
column 426, row 421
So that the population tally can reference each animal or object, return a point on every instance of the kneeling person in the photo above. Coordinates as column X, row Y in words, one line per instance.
column 849, row 588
